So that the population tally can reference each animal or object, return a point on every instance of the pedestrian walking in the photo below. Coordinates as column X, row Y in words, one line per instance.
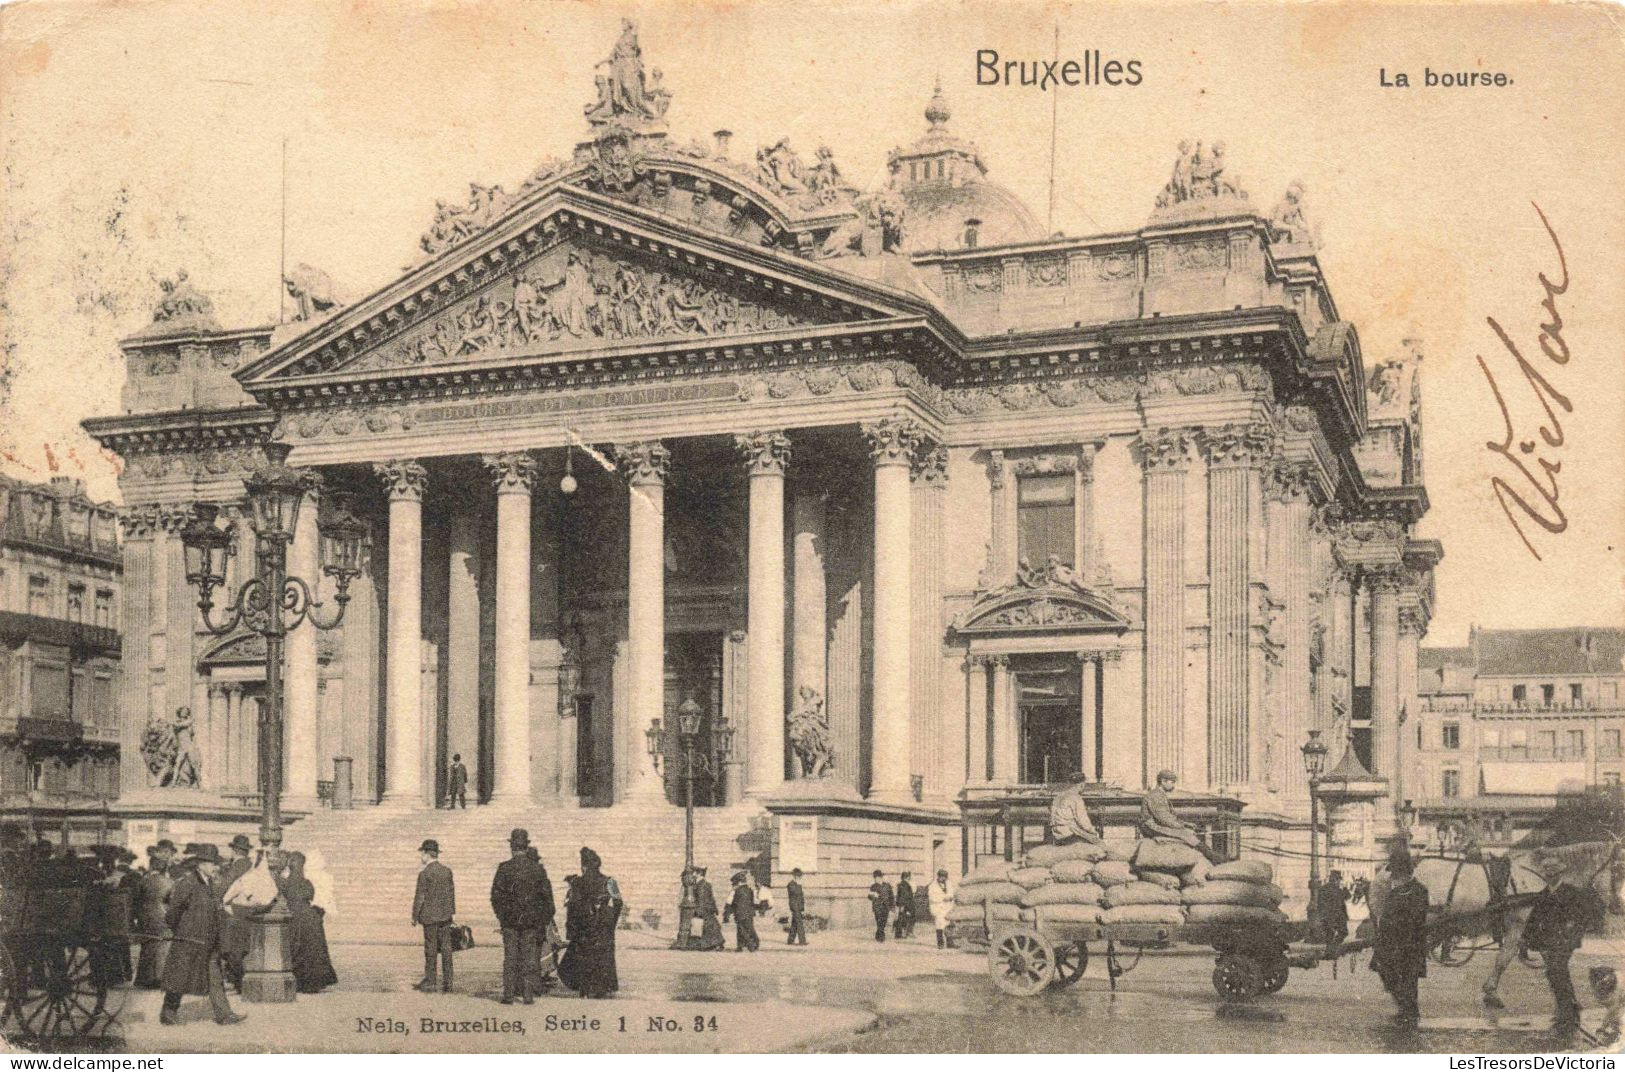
column 1331, row 908
column 307, row 929
column 1399, row 953
column 1557, row 924
column 705, row 908
column 881, row 901
column 151, row 905
column 457, row 784
column 518, row 899
column 940, row 898
column 433, row 906
column 590, row 913
column 903, row 925
column 235, row 935
column 195, row 915
column 796, row 897
column 742, row 907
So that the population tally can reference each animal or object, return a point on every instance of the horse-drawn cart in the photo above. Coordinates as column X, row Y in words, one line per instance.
column 63, row 954
column 1025, row 958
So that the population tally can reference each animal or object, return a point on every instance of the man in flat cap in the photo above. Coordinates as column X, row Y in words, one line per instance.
column 433, row 906
column 194, row 917
column 1157, row 818
column 522, row 899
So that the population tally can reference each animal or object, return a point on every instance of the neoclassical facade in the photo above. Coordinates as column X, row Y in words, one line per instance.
column 923, row 503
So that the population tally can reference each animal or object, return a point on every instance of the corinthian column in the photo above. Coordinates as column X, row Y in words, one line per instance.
column 978, row 716
column 645, row 466
column 1163, row 454
column 1384, row 587
column 404, row 482
column 300, row 660
column 514, row 475
column 891, row 445
column 809, row 650
column 1234, row 454
column 1290, row 554
column 1412, row 625
column 766, row 454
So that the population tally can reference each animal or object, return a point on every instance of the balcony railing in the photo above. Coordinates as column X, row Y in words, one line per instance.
column 78, row 635
column 1533, row 755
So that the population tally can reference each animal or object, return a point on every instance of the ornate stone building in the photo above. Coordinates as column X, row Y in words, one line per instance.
column 918, row 502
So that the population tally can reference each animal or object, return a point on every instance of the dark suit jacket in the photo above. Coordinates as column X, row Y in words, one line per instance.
column 194, row 918
column 705, row 902
column 436, row 897
column 881, row 898
column 742, row 905
column 905, row 900
column 797, row 897
column 1559, row 920
column 1401, row 945
column 521, row 895
column 459, row 777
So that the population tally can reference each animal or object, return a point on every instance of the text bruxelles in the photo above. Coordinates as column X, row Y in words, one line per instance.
column 1091, row 69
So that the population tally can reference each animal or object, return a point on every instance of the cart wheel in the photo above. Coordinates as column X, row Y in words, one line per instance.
column 66, row 999
column 1071, row 961
column 1021, row 962
column 1452, row 953
column 1275, row 976
column 12, row 989
column 1237, row 977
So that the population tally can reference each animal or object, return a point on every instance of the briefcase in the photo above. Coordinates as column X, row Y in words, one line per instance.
column 462, row 937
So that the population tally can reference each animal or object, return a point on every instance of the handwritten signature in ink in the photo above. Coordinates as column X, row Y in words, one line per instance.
column 1533, row 490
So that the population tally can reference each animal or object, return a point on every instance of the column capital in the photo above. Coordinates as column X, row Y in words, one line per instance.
column 173, row 517
column 138, row 522
column 764, row 453
column 931, row 464
column 645, row 462
column 1289, row 482
column 892, row 440
column 513, row 473
column 1413, row 621
column 1244, row 445
column 1163, row 449
column 999, row 662
column 403, row 479
column 1384, row 580
column 976, row 661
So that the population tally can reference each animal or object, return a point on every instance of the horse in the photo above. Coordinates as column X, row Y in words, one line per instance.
column 1474, row 894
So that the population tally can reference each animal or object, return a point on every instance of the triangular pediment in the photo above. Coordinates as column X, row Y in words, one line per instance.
column 572, row 273
column 1023, row 609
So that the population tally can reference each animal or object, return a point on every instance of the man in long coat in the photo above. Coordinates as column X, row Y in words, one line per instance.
column 797, row 898
column 1399, row 953
column 742, row 907
column 194, row 917
column 903, row 926
column 152, row 902
column 705, row 909
column 433, row 905
column 1556, row 926
column 519, row 900
column 235, row 936
column 881, row 902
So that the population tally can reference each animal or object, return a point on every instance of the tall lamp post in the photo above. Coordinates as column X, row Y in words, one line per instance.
column 271, row 603
column 1314, row 761
column 718, row 747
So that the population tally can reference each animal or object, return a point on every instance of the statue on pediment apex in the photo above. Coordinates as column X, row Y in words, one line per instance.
column 1199, row 175
column 877, row 228
column 624, row 92
column 1052, row 572
column 456, row 223
column 181, row 301
column 1288, row 224
column 311, row 291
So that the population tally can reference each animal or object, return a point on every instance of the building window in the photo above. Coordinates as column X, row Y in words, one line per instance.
column 39, row 596
column 1518, row 743
column 1452, row 735
column 1520, row 694
column 1452, row 783
column 76, row 602
column 1045, row 519
column 1546, row 744
column 1608, row 743
column 1576, row 693
column 1548, row 694
column 104, row 608
column 1577, row 743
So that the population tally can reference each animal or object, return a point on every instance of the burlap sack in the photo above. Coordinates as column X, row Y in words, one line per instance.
column 1121, row 848
column 1161, row 878
column 1162, row 854
column 1231, row 892
column 1064, row 893
column 1073, row 871
column 997, row 871
column 998, row 892
column 1140, row 893
column 1050, row 855
column 1002, row 913
column 1112, row 873
column 1067, row 913
column 1230, row 913
column 1144, row 913
column 1242, row 871
column 1031, row 877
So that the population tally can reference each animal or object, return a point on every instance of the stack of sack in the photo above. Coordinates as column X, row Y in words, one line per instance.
column 1119, row 881
column 1241, row 891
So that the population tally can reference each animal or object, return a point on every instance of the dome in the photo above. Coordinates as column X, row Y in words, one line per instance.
column 951, row 203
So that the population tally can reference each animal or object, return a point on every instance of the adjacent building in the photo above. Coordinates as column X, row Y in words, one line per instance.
column 923, row 510
column 1514, row 722
column 60, row 573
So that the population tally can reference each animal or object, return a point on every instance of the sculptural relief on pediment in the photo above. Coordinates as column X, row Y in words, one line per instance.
column 572, row 298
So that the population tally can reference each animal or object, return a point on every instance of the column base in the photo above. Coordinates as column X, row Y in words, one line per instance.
column 892, row 796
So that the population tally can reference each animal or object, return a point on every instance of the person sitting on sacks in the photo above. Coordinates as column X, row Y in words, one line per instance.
column 1157, row 818
column 1069, row 821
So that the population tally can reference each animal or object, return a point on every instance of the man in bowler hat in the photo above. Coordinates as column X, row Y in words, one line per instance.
column 194, row 916
column 797, row 897
column 522, row 900
column 234, row 935
column 457, row 784
column 433, row 906
column 742, row 907
column 882, row 900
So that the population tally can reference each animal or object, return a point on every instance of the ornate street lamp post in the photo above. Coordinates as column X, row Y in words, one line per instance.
column 1314, row 761
column 271, row 603
column 716, row 751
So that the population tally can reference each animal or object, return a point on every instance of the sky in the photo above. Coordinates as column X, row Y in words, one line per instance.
column 137, row 139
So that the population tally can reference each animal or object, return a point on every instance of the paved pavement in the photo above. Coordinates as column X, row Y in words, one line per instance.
column 846, row 992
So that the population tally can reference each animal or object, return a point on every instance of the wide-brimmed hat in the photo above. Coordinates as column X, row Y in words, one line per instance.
column 165, row 844
column 519, row 839
column 241, row 843
column 203, row 852
column 430, row 845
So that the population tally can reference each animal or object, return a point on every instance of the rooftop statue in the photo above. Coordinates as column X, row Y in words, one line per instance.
column 624, row 93
column 1199, row 175
column 312, row 292
column 454, row 223
column 877, row 228
column 1287, row 220
column 181, row 301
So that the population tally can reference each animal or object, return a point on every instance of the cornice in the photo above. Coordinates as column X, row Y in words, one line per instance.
column 180, row 430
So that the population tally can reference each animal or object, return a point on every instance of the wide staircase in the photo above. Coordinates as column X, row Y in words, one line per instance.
column 372, row 855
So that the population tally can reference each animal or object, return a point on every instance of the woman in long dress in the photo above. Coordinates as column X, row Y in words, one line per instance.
column 591, row 912
column 312, row 967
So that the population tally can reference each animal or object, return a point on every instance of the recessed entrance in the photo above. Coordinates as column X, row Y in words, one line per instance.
column 1050, row 709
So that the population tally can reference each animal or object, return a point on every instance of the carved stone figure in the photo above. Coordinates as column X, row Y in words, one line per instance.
column 779, row 168
column 1199, row 175
column 181, row 300
column 824, row 177
column 1287, row 219
column 170, row 751
column 623, row 92
column 1053, row 572
column 877, row 228
column 312, row 292
column 455, row 223
column 809, row 734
